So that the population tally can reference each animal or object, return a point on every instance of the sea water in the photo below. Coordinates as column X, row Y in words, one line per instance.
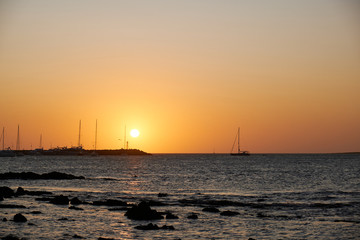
column 277, row 196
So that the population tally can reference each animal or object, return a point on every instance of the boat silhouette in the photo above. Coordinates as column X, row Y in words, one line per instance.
column 239, row 152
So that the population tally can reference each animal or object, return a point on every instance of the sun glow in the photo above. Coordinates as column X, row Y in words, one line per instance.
column 134, row 133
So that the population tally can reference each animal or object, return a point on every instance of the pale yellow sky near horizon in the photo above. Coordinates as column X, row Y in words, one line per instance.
column 185, row 73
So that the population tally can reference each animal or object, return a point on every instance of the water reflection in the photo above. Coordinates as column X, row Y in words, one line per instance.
column 277, row 196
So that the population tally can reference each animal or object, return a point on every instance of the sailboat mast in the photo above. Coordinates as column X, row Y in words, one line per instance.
column 18, row 139
column 125, row 138
column 79, row 143
column 3, row 139
column 239, row 153
column 95, row 133
column 238, row 140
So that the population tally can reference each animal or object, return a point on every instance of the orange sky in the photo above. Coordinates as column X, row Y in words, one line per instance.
column 185, row 73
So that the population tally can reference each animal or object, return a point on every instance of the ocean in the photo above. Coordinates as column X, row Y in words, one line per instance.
column 271, row 196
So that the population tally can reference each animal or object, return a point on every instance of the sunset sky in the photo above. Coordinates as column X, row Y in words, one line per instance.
column 185, row 73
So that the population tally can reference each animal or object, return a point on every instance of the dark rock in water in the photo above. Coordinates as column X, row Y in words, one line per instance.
column 162, row 195
column 19, row 218
column 58, row 175
column 142, row 211
column 171, row 216
column 63, row 219
column 262, row 215
column 151, row 226
column 119, row 209
column 60, row 200
column 102, row 238
column 22, row 175
column 110, row 202
column 223, row 203
column 193, row 216
column 75, row 208
column 1, row 198
column 279, row 217
column 6, row 192
column 11, row 206
column 229, row 213
column 4, row 219
column 10, row 237
column 32, row 176
column 75, row 201
column 20, row 191
column 211, row 209
column 77, row 236
column 36, row 212
column 165, row 227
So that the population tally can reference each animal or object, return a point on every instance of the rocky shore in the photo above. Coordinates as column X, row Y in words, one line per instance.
column 137, row 212
column 159, row 213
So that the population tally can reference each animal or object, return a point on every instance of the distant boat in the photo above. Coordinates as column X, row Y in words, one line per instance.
column 5, row 152
column 239, row 152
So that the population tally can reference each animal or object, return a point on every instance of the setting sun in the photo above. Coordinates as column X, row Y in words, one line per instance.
column 243, row 106
column 134, row 133
column 272, row 73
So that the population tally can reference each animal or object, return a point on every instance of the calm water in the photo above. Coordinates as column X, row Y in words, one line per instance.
column 277, row 196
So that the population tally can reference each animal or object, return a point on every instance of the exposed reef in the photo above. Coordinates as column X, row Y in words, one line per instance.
column 110, row 203
column 151, row 226
column 142, row 211
column 19, row 218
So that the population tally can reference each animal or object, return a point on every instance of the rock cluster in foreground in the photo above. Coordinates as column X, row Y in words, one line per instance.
column 142, row 211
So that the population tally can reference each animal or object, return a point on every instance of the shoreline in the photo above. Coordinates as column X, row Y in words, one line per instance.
column 74, row 152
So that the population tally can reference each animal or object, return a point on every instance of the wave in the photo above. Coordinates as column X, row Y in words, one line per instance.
column 110, row 178
column 264, row 205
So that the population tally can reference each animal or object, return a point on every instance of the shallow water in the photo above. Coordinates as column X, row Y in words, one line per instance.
column 282, row 196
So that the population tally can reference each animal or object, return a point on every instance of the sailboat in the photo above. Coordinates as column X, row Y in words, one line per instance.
column 5, row 152
column 239, row 152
